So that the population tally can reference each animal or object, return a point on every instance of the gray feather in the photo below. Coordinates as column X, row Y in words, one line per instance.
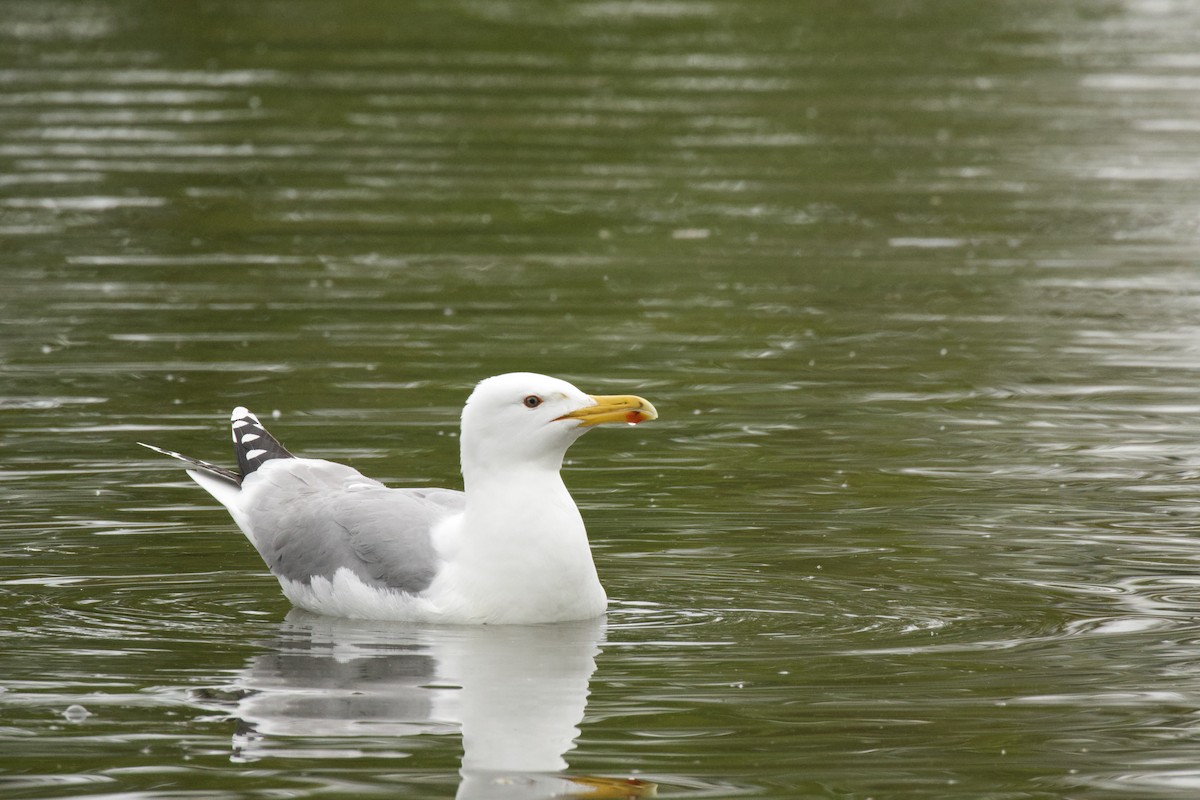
column 311, row 518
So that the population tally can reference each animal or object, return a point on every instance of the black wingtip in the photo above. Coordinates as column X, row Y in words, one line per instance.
column 252, row 445
column 212, row 469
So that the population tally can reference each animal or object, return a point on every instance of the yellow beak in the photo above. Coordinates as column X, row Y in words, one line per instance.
column 626, row 408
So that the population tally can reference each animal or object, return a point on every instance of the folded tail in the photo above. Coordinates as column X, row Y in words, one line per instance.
column 252, row 446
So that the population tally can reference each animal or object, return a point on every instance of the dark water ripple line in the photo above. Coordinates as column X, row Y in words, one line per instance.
column 813, row 616
column 1153, row 604
column 640, row 615
column 148, row 607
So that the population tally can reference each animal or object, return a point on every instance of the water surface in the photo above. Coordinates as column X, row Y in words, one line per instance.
column 912, row 286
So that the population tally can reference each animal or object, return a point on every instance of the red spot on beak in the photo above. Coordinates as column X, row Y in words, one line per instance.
column 634, row 417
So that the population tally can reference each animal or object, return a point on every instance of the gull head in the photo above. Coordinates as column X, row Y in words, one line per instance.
column 525, row 419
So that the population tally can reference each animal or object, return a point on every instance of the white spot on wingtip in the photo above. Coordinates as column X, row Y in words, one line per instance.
column 241, row 414
column 250, row 437
column 255, row 453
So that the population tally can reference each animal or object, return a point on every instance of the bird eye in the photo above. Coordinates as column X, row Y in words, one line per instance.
column 533, row 401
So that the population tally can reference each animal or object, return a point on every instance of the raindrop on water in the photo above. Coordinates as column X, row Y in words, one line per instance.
column 76, row 713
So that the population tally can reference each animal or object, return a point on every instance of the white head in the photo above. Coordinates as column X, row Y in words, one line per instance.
column 524, row 419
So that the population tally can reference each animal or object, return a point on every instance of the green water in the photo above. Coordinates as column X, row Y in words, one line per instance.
column 913, row 286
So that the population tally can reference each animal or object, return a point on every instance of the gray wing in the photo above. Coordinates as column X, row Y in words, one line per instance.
column 310, row 518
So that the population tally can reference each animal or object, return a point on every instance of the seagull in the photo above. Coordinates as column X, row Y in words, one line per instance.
column 511, row 548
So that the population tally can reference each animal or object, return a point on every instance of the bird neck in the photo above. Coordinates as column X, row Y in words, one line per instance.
column 487, row 465
column 487, row 486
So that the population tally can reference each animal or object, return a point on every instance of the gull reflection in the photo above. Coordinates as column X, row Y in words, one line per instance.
column 517, row 695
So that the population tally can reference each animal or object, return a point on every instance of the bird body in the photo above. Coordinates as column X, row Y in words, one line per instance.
column 510, row 548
